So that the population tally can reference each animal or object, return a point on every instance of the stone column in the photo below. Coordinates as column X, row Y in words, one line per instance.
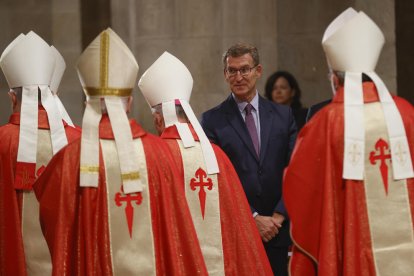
column 383, row 14
column 405, row 45
column 67, row 38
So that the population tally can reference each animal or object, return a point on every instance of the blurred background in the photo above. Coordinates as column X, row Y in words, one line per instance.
column 287, row 33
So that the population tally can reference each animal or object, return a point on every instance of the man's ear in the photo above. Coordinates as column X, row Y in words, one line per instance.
column 129, row 104
column 225, row 75
column 335, row 81
column 159, row 123
column 14, row 100
column 259, row 70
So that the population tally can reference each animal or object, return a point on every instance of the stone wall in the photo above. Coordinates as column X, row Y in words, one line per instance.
column 58, row 23
column 404, row 21
column 300, row 30
column 287, row 32
column 197, row 32
column 383, row 14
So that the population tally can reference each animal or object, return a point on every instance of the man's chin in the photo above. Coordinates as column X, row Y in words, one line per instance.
column 239, row 92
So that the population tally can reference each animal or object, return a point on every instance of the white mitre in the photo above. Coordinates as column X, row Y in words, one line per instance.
column 352, row 44
column 28, row 62
column 11, row 45
column 166, row 82
column 108, row 70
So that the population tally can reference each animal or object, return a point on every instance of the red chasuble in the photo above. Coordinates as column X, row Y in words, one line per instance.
column 101, row 231
column 349, row 227
column 22, row 247
column 238, row 247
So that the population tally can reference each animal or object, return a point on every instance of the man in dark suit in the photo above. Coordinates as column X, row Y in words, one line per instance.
column 258, row 137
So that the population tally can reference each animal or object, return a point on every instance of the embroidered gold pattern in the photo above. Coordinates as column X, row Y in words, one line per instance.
column 104, row 56
column 89, row 169
column 130, row 176
column 120, row 92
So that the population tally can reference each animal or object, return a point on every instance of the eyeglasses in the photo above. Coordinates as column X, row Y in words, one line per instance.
column 244, row 71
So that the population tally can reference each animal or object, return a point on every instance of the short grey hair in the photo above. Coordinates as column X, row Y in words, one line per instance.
column 240, row 49
column 18, row 91
column 104, row 110
column 179, row 110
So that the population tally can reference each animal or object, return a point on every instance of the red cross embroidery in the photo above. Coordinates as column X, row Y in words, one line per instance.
column 198, row 181
column 129, row 209
column 380, row 147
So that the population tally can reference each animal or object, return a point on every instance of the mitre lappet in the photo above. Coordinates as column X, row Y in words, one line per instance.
column 352, row 44
column 29, row 62
column 108, row 70
column 168, row 82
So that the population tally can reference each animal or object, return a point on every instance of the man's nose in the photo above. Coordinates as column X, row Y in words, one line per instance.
column 239, row 76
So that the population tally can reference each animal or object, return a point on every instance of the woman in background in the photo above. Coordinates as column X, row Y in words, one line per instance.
column 282, row 88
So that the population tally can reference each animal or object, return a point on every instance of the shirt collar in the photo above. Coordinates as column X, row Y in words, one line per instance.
column 241, row 105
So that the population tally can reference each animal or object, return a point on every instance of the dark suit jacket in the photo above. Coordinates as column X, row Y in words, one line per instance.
column 315, row 108
column 261, row 177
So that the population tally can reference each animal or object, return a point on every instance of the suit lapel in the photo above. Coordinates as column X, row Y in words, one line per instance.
column 236, row 121
column 266, row 121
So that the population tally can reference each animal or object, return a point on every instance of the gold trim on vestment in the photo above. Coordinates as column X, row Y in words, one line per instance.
column 130, row 176
column 389, row 213
column 120, row 92
column 89, row 169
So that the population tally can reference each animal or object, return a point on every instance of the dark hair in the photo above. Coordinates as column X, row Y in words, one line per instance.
column 341, row 77
column 292, row 83
column 240, row 49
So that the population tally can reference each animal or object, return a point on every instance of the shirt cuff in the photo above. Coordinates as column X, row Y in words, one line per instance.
column 255, row 214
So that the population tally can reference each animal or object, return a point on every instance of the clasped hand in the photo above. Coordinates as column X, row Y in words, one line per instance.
column 269, row 226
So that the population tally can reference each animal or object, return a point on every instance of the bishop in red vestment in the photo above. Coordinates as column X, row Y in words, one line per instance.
column 352, row 221
column 330, row 220
column 111, row 202
column 23, row 249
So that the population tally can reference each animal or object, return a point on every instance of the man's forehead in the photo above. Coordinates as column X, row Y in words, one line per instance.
column 245, row 59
